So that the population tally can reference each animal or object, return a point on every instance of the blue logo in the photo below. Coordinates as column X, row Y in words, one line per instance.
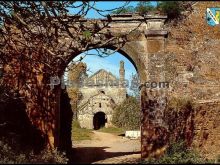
column 213, row 16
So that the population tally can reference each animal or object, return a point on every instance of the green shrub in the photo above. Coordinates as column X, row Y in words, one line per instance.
column 180, row 103
column 127, row 114
column 218, row 159
column 171, row 8
column 75, row 124
column 142, row 8
column 129, row 9
column 178, row 153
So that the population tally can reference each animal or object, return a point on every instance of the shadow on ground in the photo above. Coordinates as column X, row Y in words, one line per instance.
column 88, row 155
column 123, row 135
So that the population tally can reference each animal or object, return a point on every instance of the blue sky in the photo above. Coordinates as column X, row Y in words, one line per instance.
column 107, row 5
column 110, row 63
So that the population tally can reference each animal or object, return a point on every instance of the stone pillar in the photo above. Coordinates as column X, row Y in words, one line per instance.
column 122, row 88
column 154, row 131
column 153, row 128
column 121, row 73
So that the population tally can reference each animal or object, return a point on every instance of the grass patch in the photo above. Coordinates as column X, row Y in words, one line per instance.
column 113, row 130
column 79, row 133
column 178, row 153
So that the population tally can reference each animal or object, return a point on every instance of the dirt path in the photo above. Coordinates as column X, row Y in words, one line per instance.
column 106, row 148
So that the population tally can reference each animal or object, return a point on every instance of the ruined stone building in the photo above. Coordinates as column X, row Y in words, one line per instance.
column 184, row 53
column 101, row 92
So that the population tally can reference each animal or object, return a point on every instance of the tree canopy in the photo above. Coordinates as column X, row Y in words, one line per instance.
column 50, row 30
column 141, row 8
column 171, row 8
column 127, row 114
column 76, row 71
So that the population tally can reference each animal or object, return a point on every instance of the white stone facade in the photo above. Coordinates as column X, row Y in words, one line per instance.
column 101, row 98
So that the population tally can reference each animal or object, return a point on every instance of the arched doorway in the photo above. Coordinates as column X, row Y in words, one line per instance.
column 99, row 120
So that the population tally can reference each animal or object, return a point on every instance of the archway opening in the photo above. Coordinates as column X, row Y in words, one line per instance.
column 96, row 87
column 99, row 120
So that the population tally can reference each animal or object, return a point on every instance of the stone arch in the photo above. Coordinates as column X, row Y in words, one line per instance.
column 140, row 49
column 128, row 51
column 43, row 102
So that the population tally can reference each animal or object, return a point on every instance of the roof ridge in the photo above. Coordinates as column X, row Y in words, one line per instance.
column 109, row 72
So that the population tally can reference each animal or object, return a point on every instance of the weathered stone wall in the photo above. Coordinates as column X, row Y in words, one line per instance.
column 189, row 58
column 30, row 82
column 97, row 103
column 100, row 93
column 118, row 94
column 192, row 67
column 193, row 50
column 207, row 129
column 43, row 104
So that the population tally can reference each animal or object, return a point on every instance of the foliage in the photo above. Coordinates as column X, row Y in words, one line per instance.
column 179, row 117
column 218, row 159
column 75, row 76
column 177, row 153
column 112, row 130
column 142, row 8
column 87, row 34
column 180, row 103
column 135, row 82
column 218, row 15
column 77, row 71
column 9, row 155
column 75, row 124
column 129, row 9
column 171, row 8
column 79, row 133
column 50, row 34
column 127, row 114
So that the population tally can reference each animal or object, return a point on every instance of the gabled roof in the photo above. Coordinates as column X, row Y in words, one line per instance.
column 102, row 70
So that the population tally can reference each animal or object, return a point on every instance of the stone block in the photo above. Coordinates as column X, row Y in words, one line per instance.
column 133, row 134
column 155, row 45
